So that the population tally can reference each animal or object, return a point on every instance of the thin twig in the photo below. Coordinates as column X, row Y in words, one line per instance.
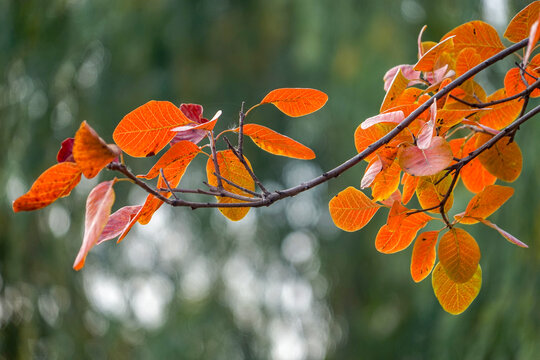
column 241, row 130
column 167, row 183
column 246, row 166
column 214, row 159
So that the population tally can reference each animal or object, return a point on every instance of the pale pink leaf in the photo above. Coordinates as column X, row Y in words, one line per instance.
column 406, row 70
column 482, row 127
column 389, row 117
column 98, row 208
column 396, row 196
column 534, row 34
column 420, row 50
column 118, row 222
column 505, row 234
column 425, row 135
column 372, row 171
column 418, row 162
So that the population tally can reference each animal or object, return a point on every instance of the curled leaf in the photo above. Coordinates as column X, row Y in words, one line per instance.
column 389, row 117
column 118, row 222
column 98, row 208
column 91, row 153
column 66, row 151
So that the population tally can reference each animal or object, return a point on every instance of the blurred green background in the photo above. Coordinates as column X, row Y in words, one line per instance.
column 283, row 283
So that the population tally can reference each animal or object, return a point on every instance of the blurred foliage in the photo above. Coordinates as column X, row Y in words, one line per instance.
column 283, row 283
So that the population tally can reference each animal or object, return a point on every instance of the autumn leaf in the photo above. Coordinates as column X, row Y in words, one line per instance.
column 474, row 176
column 275, row 143
column 513, row 81
column 91, row 153
column 147, row 129
column 152, row 203
column 519, row 27
column 388, row 117
column 386, row 182
column 397, row 86
column 431, row 190
column 351, row 209
column 466, row 60
column 428, row 61
column 133, row 220
column 455, row 297
column 477, row 35
column 174, row 162
column 55, row 182
column 98, row 208
column 296, row 101
column 459, row 254
column 409, row 187
column 485, row 203
column 118, row 222
column 430, row 161
column 446, row 118
column 534, row 35
column 66, row 151
column 233, row 170
column 423, row 255
column 374, row 167
column 501, row 115
column 400, row 230
column 198, row 129
column 503, row 160
column 514, row 240
column 425, row 135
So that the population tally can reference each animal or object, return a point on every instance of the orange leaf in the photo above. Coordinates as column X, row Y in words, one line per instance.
column 386, row 182
column 351, row 209
column 98, row 208
column 455, row 297
column 477, row 35
column 459, row 254
column 409, row 187
column 428, row 61
column 513, row 81
column 147, row 129
column 485, row 203
column 296, row 101
column 450, row 117
column 475, row 177
column 275, row 143
column 152, row 203
column 55, row 182
column 423, row 255
column 430, row 161
column 231, row 169
column 466, row 60
column 118, row 222
column 430, row 195
column 501, row 115
column 520, row 25
column 400, row 230
column 397, row 87
column 174, row 162
column 91, row 153
column 514, row 240
column 503, row 160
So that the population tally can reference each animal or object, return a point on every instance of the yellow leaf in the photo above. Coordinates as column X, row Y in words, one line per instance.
column 455, row 297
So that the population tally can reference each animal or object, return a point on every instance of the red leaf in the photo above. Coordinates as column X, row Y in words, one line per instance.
column 55, row 182
column 118, row 222
column 66, row 151
column 147, row 129
column 296, row 101
column 98, row 208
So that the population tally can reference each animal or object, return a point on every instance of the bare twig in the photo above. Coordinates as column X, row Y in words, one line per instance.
column 214, row 159
column 246, row 166
column 241, row 117
column 167, row 183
